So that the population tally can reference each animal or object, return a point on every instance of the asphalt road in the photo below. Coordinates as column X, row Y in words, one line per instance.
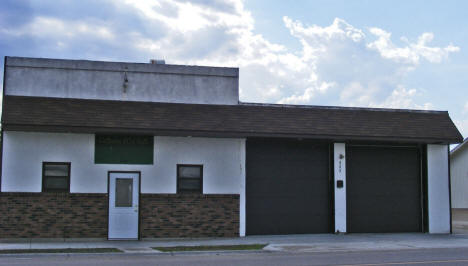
column 400, row 257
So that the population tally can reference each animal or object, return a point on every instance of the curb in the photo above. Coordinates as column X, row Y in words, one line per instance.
column 123, row 253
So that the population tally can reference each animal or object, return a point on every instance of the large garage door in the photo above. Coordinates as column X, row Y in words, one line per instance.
column 287, row 187
column 383, row 189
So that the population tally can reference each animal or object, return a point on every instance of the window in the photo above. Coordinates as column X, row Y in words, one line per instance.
column 123, row 192
column 189, row 178
column 55, row 177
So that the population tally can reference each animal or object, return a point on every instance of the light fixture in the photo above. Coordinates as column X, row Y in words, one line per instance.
column 125, row 83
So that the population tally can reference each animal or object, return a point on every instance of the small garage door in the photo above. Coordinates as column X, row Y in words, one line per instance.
column 383, row 189
column 287, row 187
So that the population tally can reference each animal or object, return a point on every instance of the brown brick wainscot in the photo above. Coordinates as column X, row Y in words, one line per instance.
column 53, row 215
column 85, row 215
column 189, row 215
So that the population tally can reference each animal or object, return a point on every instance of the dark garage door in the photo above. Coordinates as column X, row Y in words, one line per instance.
column 287, row 187
column 383, row 189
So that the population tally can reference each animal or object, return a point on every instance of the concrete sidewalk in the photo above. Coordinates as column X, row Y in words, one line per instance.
column 287, row 243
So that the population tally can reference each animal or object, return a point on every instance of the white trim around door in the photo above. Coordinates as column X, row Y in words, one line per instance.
column 124, row 195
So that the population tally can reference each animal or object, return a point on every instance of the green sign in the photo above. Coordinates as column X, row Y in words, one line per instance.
column 120, row 149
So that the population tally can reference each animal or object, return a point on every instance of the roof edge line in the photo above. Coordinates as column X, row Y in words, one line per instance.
column 244, row 133
column 111, row 66
column 343, row 108
column 292, row 106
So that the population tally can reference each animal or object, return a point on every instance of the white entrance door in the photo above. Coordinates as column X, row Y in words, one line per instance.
column 123, row 205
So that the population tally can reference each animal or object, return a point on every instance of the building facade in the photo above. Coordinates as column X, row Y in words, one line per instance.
column 459, row 175
column 128, row 151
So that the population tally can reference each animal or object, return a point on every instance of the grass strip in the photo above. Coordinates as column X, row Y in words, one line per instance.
column 60, row 250
column 210, row 248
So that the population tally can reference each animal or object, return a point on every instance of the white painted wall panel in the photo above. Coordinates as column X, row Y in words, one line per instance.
column 222, row 173
column 459, row 178
column 242, row 202
column 24, row 152
column 438, row 189
column 340, row 193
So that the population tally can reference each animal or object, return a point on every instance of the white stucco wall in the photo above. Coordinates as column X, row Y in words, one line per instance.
column 459, row 178
column 340, row 193
column 24, row 152
column 223, row 164
column 438, row 189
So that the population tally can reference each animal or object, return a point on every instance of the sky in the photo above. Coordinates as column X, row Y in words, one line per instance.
column 391, row 54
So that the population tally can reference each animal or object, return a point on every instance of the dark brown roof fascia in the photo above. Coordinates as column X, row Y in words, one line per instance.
column 213, row 134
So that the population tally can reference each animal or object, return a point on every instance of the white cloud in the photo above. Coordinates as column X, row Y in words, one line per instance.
column 462, row 126
column 462, row 121
column 403, row 98
column 361, row 71
column 338, row 64
column 43, row 27
column 314, row 34
column 411, row 53
column 308, row 94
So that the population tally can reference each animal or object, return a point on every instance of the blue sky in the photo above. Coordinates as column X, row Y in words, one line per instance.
column 396, row 54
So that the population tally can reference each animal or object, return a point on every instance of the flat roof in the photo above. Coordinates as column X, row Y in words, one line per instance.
column 11, row 61
column 341, row 107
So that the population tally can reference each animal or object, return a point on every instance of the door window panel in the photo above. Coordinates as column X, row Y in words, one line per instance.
column 123, row 192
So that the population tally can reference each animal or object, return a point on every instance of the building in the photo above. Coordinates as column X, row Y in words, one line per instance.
column 126, row 151
column 459, row 176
